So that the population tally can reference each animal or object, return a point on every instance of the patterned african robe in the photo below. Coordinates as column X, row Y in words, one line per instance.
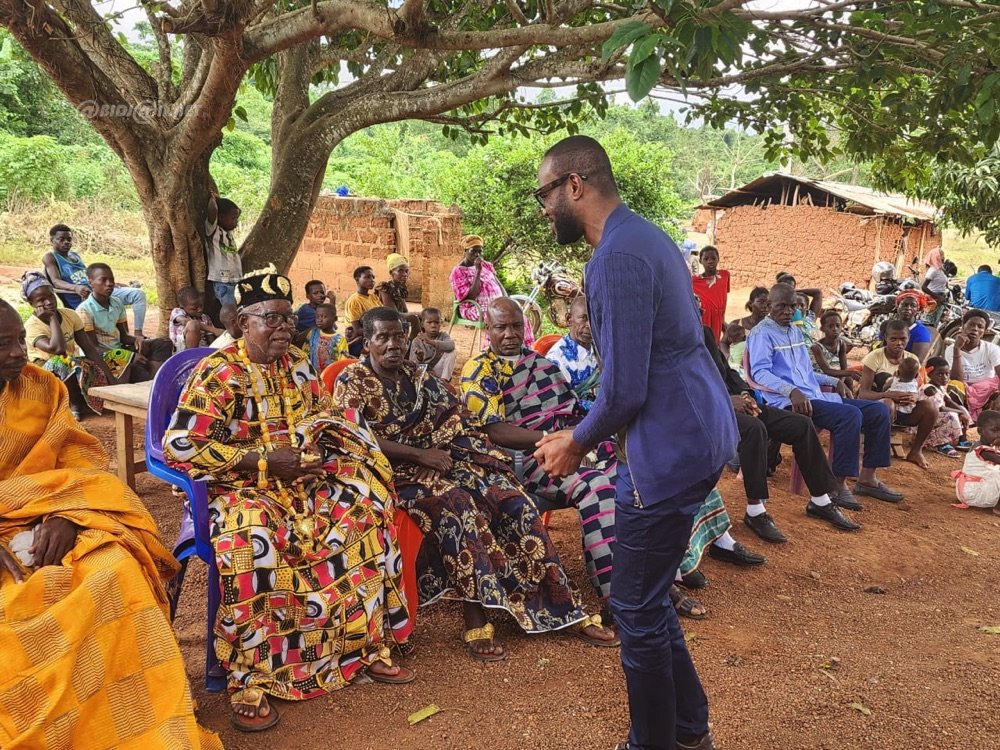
column 308, row 591
column 485, row 540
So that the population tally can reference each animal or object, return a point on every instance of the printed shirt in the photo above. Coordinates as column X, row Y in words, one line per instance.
column 979, row 364
column 103, row 321
column 224, row 262
column 579, row 365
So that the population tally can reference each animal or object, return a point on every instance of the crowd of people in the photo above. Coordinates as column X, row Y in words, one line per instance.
column 304, row 481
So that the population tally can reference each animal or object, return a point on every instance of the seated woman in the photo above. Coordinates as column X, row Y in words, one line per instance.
column 758, row 306
column 476, row 280
column 89, row 657
column 392, row 293
column 56, row 343
column 909, row 306
column 486, row 541
column 975, row 364
column 907, row 411
column 299, row 495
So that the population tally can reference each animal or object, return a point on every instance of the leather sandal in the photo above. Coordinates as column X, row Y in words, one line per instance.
column 401, row 677
column 597, row 622
column 252, row 696
column 485, row 633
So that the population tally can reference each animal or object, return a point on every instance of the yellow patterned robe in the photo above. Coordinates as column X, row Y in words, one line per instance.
column 89, row 657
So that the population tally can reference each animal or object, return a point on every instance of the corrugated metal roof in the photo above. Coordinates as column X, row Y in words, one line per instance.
column 769, row 187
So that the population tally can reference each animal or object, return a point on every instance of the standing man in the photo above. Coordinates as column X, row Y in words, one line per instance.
column 663, row 396
column 982, row 289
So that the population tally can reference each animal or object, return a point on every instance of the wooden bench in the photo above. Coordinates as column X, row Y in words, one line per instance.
column 126, row 401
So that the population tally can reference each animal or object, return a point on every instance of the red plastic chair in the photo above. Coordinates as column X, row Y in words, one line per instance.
column 333, row 370
column 410, row 538
column 545, row 343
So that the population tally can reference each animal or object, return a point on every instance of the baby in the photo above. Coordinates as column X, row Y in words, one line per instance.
column 906, row 382
column 736, row 335
column 978, row 483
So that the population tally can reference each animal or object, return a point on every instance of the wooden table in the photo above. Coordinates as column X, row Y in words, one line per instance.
column 126, row 401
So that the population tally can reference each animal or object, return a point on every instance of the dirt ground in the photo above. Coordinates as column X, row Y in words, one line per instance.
column 795, row 653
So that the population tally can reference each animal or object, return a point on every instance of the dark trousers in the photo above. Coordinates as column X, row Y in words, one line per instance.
column 664, row 693
column 846, row 423
column 786, row 427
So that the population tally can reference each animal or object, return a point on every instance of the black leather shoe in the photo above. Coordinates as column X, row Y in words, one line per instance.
column 705, row 742
column 832, row 515
column 879, row 491
column 738, row 555
column 844, row 498
column 694, row 580
column 763, row 526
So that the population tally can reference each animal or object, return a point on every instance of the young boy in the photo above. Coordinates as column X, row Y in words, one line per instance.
column 978, row 483
column 225, row 267
column 358, row 304
column 433, row 347
column 227, row 316
column 104, row 321
column 189, row 326
column 322, row 342
column 317, row 294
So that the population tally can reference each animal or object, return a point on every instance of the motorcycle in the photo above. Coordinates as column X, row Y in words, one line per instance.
column 864, row 312
column 559, row 290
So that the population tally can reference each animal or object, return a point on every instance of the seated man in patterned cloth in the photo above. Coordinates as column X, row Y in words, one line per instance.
column 89, row 657
column 484, row 538
column 517, row 397
column 574, row 354
column 299, row 495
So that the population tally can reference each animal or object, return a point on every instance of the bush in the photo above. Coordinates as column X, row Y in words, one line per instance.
column 31, row 169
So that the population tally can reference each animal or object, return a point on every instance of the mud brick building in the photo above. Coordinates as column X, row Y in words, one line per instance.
column 345, row 233
column 822, row 232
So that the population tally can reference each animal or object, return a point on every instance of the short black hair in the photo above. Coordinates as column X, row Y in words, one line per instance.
column 784, row 277
column 93, row 268
column 935, row 362
column 708, row 249
column 58, row 228
column 986, row 268
column 988, row 418
column 378, row 315
column 582, row 155
column 827, row 314
column 187, row 293
column 326, row 306
column 976, row 313
column 360, row 270
column 429, row 311
column 757, row 291
column 895, row 324
column 226, row 207
column 312, row 283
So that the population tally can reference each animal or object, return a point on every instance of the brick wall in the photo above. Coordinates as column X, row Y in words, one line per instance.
column 345, row 233
column 819, row 246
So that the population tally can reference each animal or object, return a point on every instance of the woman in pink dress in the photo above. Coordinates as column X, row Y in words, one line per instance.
column 475, row 280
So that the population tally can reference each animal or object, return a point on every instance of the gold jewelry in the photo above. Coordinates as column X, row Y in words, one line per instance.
column 261, row 471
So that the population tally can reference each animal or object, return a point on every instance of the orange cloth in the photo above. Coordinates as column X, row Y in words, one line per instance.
column 90, row 659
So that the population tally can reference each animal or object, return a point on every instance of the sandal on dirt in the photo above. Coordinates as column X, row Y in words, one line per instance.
column 596, row 621
column 485, row 633
column 404, row 649
column 401, row 677
column 947, row 450
column 686, row 605
column 254, row 697
column 964, row 445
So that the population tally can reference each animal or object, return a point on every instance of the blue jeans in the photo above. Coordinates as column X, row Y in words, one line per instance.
column 664, row 693
column 225, row 292
column 134, row 298
column 846, row 423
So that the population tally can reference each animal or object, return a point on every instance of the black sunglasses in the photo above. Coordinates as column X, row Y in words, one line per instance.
column 542, row 193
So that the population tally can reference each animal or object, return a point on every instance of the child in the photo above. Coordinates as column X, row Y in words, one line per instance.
column 830, row 351
column 227, row 316
column 133, row 360
column 225, row 267
column 978, row 483
column 736, row 335
column 945, row 434
column 359, row 303
column 804, row 317
column 432, row 347
column 316, row 294
column 323, row 344
column 905, row 381
column 712, row 288
column 189, row 326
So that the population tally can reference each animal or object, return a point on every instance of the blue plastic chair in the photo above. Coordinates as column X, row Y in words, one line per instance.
column 194, row 536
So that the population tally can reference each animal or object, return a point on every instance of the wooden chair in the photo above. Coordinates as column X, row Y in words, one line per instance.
column 478, row 326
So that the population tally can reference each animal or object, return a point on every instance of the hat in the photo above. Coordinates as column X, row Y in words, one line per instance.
column 471, row 240
column 394, row 261
column 262, row 286
column 32, row 281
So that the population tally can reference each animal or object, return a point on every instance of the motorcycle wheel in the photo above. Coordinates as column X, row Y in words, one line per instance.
column 559, row 312
column 532, row 312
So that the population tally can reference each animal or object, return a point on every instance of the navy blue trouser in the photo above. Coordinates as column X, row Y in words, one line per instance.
column 664, row 693
column 846, row 423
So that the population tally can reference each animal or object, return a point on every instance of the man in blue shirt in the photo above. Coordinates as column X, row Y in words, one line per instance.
column 663, row 396
column 982, row 289
column 781, row 369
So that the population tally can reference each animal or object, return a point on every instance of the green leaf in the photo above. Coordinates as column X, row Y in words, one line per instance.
column 622, row 37
column 644, row 47
column 991, row 629
column 240, row 112
column 969, row 551
column 862, row 709
column 640, row 79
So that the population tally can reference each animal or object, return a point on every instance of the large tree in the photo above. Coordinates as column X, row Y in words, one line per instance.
column 336, row 66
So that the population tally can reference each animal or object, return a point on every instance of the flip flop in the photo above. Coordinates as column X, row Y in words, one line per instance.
column 947, row 450
column 485, row 633
column 401, row 677
column 596, row 621
column 254, row 697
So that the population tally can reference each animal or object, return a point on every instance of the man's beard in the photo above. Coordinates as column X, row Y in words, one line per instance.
column 567, row 227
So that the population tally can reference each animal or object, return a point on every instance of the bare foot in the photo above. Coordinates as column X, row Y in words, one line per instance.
column 380, row 667
column 485, row 649
column 917, row 457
